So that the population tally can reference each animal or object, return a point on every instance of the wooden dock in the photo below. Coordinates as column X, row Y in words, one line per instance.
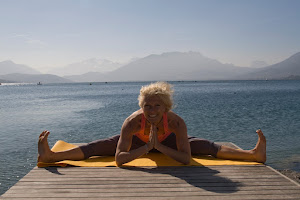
column 189, row 182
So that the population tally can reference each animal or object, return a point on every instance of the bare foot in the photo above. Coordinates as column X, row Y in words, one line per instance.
column 45, row 154
column 260, row 148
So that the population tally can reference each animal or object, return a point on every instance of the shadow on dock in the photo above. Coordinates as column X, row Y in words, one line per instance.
column 197, row 176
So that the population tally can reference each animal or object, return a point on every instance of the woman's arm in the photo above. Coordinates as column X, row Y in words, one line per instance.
column 183, row 154
column 123, row 153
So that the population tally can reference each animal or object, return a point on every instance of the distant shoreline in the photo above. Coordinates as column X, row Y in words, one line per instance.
column 7, row 82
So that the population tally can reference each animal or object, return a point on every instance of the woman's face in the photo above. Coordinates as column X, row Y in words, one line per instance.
column 153, row 109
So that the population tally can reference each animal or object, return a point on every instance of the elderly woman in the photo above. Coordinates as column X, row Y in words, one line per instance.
column 154, row 127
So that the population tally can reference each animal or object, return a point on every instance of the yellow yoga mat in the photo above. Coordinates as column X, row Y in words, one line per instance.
column 149, row 160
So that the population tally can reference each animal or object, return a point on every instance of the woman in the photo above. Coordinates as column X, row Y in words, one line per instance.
column 154, row 127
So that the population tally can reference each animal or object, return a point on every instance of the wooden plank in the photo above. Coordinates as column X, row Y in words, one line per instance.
column 133, row 184
column 265, row 197
column 151, row 189
column 156, row 176
column 180, row 194
column 169, row 187
column 138, row 174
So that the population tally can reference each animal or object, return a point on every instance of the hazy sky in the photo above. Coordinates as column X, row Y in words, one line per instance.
column 54, row 33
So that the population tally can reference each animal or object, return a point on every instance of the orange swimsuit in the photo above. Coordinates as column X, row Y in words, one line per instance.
column 145, row 138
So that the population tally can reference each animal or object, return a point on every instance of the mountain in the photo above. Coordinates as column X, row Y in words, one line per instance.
column 167, row 66
column 17, row 73
column 89, row 77
column 33, row 78
column 292, row 77
column 176, row 66
column 172, row 66
column 5, row 81
column 90, row 65
column 258, row 64
column 9, row 67
column 287, row 69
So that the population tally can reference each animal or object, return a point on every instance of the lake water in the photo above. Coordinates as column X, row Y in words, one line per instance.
column 79, row 112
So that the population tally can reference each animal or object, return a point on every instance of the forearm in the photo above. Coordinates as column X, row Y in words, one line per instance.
column 125, row 157
column 182, row 157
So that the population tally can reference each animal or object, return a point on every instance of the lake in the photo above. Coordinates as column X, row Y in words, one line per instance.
column 228, row 111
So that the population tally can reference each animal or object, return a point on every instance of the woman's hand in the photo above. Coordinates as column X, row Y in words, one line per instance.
column 151, row 141
column 153, row 138
column 183, row 152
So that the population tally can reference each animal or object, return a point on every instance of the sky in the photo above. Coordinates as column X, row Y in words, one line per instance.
column 45, row 34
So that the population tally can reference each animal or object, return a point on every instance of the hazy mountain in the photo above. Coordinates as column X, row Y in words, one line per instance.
column 89, row 77
column 168, row 66
column 34, row 78
column 292, row 77
column 176, row 66
column 5, row 81
column 8, row 67
column 90, row 65
column 286, row 69
column 258, row 64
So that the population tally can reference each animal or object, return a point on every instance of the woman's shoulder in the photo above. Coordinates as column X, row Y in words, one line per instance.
column 135, row 116
column 133, row 121
column 173, row 116
column 174, row 120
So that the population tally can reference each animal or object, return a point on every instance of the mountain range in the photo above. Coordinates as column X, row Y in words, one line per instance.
column 32, row 78
column 171, row 66
column 9, row 67
column 177, row 66
column 282, row 70
column 90, row 65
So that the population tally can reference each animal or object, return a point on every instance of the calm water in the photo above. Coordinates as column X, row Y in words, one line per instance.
column 218, row 111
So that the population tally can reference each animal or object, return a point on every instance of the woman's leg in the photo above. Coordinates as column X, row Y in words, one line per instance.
column 205, row 147
column 102, row 147
column 46, row 155
column 257, row 154
column 105, row 147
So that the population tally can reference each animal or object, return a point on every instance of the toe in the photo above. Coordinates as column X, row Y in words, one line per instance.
column 258, row 131
column 47, row 134
column 43, row 133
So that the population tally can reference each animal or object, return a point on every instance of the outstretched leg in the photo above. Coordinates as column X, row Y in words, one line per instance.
column 257, row 154
column 48, row 156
